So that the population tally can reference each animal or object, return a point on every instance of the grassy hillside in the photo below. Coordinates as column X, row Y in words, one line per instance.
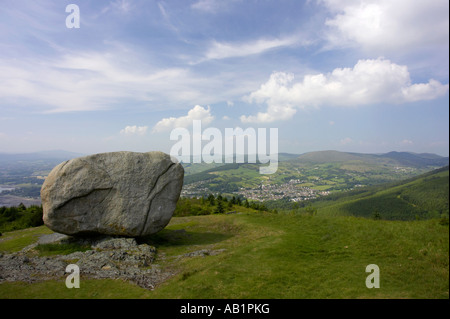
column 426, row 196
column 274, row 256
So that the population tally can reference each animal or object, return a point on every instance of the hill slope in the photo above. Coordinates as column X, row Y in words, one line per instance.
column 422, row 197
column 417, row 160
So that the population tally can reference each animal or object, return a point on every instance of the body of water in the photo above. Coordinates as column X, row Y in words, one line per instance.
column 3, row 188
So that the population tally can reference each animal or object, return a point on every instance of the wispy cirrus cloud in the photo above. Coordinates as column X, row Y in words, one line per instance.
column 218, row 50
column 89, row 81
column 121, row 6
column 211, row 6
column 222, row 50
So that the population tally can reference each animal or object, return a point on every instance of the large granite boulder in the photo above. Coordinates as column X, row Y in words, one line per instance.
column 118, row 193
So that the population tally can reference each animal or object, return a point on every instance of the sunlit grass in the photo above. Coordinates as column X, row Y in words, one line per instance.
column 281, row 256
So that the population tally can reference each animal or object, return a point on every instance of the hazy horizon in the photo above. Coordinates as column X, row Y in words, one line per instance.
column 234, row 154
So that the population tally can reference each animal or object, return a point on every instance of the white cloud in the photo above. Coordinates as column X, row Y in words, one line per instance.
column 274, row 113
column 206, row 5
column 86, row 81
column 211, row 6
column 385, row 25
column 166, row 18
column 223, row 50
column 407, row 142
column 196, row 113
column 424, row 91
column 134, row 130
column 122, row 5
column 368, row 82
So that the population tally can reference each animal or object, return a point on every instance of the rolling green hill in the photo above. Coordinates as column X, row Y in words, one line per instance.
column 422, row 197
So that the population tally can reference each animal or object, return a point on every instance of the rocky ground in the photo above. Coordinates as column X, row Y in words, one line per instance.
column 118, row 258
column 109, row 257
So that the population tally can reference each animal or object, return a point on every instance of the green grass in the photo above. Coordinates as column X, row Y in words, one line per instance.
column 60, row 249
column 312, row 257
column 287, row 256
column 423, row 197
column 89, row 289
column 16, row 240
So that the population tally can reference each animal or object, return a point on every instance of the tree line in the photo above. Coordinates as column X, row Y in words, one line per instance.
column 212, row 204
column 20, row 217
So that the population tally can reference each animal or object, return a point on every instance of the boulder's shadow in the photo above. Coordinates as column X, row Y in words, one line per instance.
column 179, row 237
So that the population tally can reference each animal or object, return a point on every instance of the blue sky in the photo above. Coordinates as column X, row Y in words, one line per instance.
column 360, row 76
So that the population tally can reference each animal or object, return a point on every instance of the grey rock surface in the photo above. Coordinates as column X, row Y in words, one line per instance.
column 51, row 238
column 119, row 193
column 119, row 258
column 204, row 253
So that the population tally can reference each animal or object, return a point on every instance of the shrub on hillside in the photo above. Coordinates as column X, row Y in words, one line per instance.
column 14, row 218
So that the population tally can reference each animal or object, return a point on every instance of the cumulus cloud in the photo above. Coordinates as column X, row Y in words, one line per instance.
column 274, row 113
column 134, row 130
column 424, row 91
column 385, row 25
column 368, row 82
column 196, row 113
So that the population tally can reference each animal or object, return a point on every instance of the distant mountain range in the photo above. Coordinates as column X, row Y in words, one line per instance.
column 393, row 158
column 38, row 156
column 400, row 158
